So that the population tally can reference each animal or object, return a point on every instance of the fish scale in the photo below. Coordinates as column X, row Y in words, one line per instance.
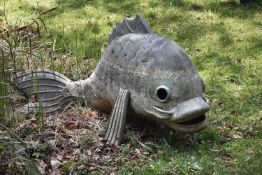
column 126, row 54
column 140, row 74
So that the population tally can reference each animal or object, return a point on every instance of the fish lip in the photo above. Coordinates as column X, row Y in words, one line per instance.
column 182, row 126
column 188, row 128
column 189, row 110
column 188, row 116
column 194, row 121
column 185, row 111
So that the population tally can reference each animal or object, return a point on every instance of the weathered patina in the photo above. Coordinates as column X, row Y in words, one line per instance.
column 140, row 74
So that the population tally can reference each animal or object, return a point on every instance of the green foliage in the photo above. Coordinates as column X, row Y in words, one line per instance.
column 66, row 167
column 14, row 159
column 224, row 40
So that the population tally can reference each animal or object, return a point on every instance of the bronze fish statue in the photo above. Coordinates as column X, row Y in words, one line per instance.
column 140, row 74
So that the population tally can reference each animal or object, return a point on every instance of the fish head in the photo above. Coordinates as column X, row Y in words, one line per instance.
column 180, row 104
column 175, row 91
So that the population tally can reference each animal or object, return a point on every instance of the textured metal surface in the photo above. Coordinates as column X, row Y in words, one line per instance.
column 159, row 77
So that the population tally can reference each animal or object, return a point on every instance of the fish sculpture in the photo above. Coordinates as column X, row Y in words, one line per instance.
column 140, row 74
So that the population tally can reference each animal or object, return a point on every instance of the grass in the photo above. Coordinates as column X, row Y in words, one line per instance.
column 224, row 40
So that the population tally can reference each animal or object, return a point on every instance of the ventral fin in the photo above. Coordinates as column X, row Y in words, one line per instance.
column 136, row 24
column 118, row 118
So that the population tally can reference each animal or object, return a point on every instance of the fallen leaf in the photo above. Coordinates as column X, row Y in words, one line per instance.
column 89, row 153
column 93, row 113
column 138, row 152
column 86, row 116
column 55, row 164
column 33, row 120
column 60, row 129
column 59, row 157
column 238, row 135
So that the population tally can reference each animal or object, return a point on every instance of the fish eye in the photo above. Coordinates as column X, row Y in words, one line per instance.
column 162, row 93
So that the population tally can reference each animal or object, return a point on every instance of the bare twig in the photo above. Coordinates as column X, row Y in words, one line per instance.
column 47, row 11
column 143, row 145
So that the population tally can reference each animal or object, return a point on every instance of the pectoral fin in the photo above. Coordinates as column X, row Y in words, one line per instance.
column 118, row 118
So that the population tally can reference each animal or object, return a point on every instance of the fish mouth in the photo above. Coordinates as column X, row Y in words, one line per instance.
column 189, row 126
column 188, row 116
column 193, row 121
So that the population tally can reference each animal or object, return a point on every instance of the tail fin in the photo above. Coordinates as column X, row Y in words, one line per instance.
column 45, row 89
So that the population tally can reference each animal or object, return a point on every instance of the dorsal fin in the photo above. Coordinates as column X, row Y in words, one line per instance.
column 130, row 25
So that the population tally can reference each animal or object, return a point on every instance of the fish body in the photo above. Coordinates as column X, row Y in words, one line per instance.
column 140, row 74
